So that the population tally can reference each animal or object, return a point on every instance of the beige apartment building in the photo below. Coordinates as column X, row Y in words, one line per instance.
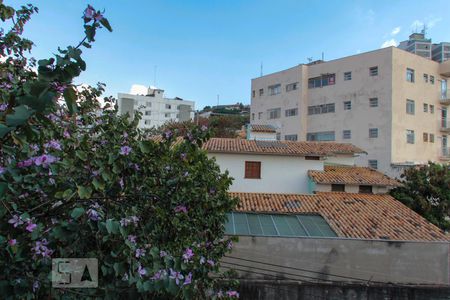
column 389, row 102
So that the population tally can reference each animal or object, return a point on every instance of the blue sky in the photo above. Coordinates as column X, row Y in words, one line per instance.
column 207, row 48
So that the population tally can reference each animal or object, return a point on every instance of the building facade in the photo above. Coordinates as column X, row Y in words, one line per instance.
column 155, row 108
column 389, row 102
column 420, row 45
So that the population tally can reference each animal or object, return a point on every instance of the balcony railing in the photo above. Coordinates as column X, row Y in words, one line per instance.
column 444, row 125
column 445, row 99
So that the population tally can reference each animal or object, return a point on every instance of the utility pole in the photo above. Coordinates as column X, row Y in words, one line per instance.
column 154, row 75
column 261, row 69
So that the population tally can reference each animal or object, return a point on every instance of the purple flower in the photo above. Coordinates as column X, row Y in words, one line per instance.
column 40, row 248
column 34, row 147
column 3, row 106
column 181, row 208
column 15, row 221
column 132, row 238
column 210, row 262
column 121, row 183
column 59, row 87
column 53, row 144
column 204, row 128
column 232, row 294
column 30, row 226
column 140, row 252
column 176, row 275
column 136, row 167
column 12, row 242
column 98, row 17
column 124, row 222
column 125, row 135
column 88, row 13
column 93, row 214
column 162, row 253
column 25, row 163
column 36, row 286
column 66, row 134
column 168, row 134
column 186, row 174
column 229, row 245
column 125, row 150
column 212, row 191
column 45, row 160
column 135, row 220
column 183, row 156
column 188, row 254
column 95, row 173
column 2, row 170
column 159, row 274
column 190, row 137
column 141, row 271
column 188, row 279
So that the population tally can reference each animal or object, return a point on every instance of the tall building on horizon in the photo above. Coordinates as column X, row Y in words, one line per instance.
column 156, row 109
column 420, row 45
column 389, row 102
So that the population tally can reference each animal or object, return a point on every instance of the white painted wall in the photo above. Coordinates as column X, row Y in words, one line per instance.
column 279, row 174
column 350, row 188
column 264, row 136
column 341, row 159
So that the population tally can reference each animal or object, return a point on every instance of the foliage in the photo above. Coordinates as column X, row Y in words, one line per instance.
column 76, row 180
column 426, row 190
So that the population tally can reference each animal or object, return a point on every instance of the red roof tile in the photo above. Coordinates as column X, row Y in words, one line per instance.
column 262, row 128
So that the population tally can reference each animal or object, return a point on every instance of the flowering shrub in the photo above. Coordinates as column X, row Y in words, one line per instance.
column 77, row 180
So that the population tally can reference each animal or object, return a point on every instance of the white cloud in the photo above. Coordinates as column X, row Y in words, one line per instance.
column 389, row 43
column 432, row 22
column 395, row 31
column 428, row 22
column 138, row 89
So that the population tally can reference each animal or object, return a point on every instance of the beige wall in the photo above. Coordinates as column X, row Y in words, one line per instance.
column 350, row 188
column 391, row 89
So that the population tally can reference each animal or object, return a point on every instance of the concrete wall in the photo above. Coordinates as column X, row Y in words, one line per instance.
column 341, row 159
column 367, row 260
column 279, row 174
column 265, row 136
column 350, row 188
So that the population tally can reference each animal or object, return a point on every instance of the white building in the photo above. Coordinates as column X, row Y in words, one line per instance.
column 156, row 109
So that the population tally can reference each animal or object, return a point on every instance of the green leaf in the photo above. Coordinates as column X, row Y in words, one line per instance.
column 99, row 185
column 3, row 188
column 19, row 117
column 4, row 130
column 77, row 212
column 70, row 96
column 106, row 24
column 81, row 155
column 84, row 192
column 112, row 226
column 90, row 32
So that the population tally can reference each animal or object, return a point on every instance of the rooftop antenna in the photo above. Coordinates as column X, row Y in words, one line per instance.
column 424, row 29
column 309, row 59
column 323, row 55
column 261, row 69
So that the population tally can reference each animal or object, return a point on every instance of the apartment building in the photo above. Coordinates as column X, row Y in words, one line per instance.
column 155, row 108
column 389, row 102
column 420, row 45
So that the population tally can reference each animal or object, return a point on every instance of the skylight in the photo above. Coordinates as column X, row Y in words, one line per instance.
column 278, row 225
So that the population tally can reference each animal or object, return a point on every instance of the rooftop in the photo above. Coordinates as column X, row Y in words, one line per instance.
column 262, row 128
column 360, row 216
column 351, row 175
column 286, row 148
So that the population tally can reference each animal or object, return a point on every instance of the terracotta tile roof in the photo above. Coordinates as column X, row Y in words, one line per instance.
column 351, row 175
column 262, row 128
column 288, row 148
column 361, row 216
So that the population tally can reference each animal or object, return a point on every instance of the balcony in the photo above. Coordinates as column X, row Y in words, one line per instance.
column 445, row 125
column 445, row 154
column 445, row 100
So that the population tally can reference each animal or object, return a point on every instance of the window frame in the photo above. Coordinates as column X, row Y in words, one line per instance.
column 373, row 133
column 373, row 163
column 410, row 104
column 410, row 136
column 365, row 189
column 291, row 112
column 371, row 101
column 347, row 76
column 346, row 134
column 252, row 169
column 348, row 105
column 410, row 75
column 274, row 89
column 373, row 71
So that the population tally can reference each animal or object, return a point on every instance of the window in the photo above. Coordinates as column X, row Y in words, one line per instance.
column 365, row 189
column 312, row 157
column 274, row 113
column 260, row 115
column 278, row 224
column 290, row 137
column 425, row 77
column 253, row 169
column 148, row 112
column 410, row 136
column 274, row 89
column 373, row 102
column 278, row 136
column 148, row 104
column 347, row 105
column 261, row 92
column 338, row 187
column 409, row 75
column 321, row 81
column 373, row 163
column 253, row 93
column 168, row 106
column 431, row 109
column 373, row 71
column 346, row 134
column 291, row 86
column 291, row 112
column 253, row 116
column 147, row 122
column 425, row 137
column 347, row 76
column 431, row 138
column 320, row 136
column 167, row 115
column 373, row 132
column 321, row 109
column 410, row 107
column 431, row 79
column 425, row 107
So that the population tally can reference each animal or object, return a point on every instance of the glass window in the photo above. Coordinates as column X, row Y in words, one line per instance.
column 253, row 116
column 410, row 75
column 410, row 136
column 410, row 107
column 290, row 137
column 347, row 76
column 261, row 92
column 168, row 106
column 425, row 137
column 260, row 115
column 321, row 109
column 347, row 105
column 274, row 89
column 167, row 115
column 291, row 86
column 373, row 71
column 373, row 102
column 148, row 104
column 365, row 189
column 431, row 109
column 425, row 107
column 321, row 81
column 274, row 113
column 320, row 136
column 431, row 138
column 346, row 134
column 373, row 132
column 291, row 112
column 373, row 163
column 253, row 93
column 148, row 112
column 425, row 77
column 431, row 79
column 253, row 169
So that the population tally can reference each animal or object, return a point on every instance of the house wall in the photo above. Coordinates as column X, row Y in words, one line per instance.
column 265, row 136
column 371, row 261
column 279, row 174
column 340, row 159
column 319, row 187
